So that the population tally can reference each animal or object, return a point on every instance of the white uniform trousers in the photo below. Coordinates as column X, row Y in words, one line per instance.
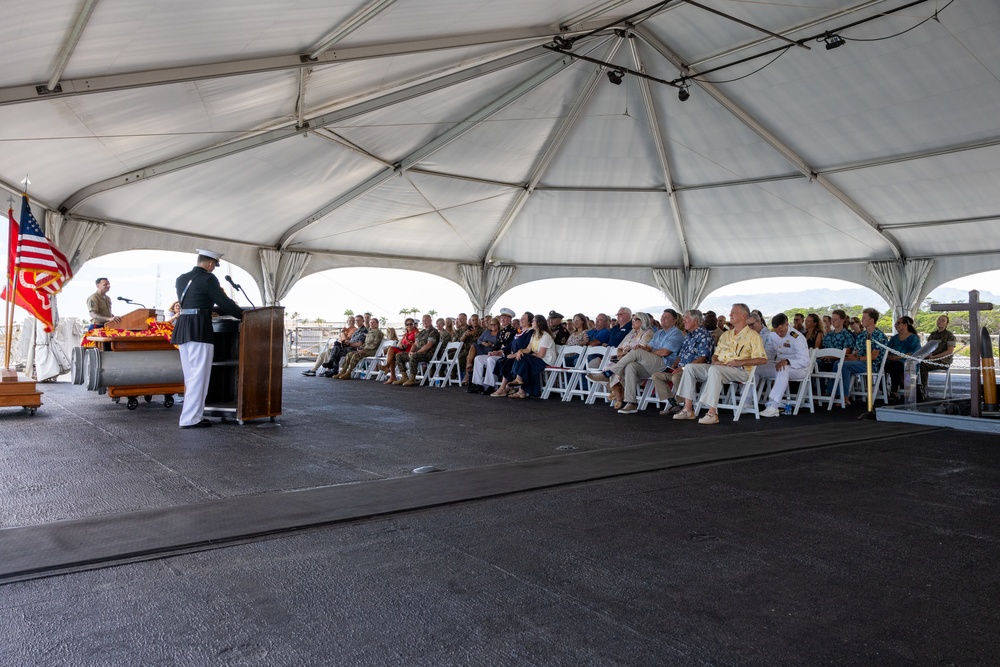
column 714, row 376
column 196, row 361
column 482, row 370
column 781, row 380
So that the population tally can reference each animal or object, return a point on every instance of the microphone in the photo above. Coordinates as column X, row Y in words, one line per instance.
column 131, row 302
column 229, row 279
column 121, row 298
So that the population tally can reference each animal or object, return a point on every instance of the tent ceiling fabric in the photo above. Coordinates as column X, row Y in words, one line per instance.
column 426, row 134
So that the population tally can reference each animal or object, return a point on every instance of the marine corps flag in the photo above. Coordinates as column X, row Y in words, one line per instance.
column 35, row 267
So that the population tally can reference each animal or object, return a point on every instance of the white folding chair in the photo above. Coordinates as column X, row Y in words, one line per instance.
column 556, row 378
column 880, row 384
column 422, row 366
column 591, row 361
column 649, row 395
column 739, row 397
column 365, row 368
column 443, row 370
column 600, row 390
column 833, row 377
column 803, row 395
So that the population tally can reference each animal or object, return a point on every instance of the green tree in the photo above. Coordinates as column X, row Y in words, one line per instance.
column 348, row 313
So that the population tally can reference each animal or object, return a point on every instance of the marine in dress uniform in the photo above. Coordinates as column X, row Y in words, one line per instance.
column 199, row 293
column 788, row 359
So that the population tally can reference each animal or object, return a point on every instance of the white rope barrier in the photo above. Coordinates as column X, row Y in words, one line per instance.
column 924, row 361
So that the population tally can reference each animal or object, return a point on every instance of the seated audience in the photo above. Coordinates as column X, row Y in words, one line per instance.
column 788, row 359
column 637, row 336
column 621, row 328
column 373, row 340
column 943, row 355
column 906, row 341
column 532, row 360
column 696, row 348
column 644, row 359
column 712, row 324
column 578, row 330
column 173, row 312
column 557, row 328
column 483, row 378
column 421, row 351
column 799, row 322
column 471, row 331
column 403, row 345
column 814, row 331
column 827, row 324
column 504, row 369
column 738, row 351
column 352, row 337
column 856, row 360
column 445, row 335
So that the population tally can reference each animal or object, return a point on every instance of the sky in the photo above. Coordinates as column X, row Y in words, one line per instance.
column 148, row 276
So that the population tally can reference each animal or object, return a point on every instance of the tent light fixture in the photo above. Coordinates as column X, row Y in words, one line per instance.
column 684, row 93
column 833, row 41
column 615, row 76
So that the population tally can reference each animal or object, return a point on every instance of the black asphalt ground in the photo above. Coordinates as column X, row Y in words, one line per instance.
column 810, row 540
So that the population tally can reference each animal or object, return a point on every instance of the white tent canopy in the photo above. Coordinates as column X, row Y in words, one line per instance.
column 449, row 136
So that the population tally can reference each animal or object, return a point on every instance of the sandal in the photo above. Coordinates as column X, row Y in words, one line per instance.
column 517, row 394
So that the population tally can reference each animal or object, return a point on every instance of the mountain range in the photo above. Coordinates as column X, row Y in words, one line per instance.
column 820, row 299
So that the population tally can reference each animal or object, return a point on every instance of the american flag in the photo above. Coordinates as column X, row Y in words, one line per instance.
column 36, row 254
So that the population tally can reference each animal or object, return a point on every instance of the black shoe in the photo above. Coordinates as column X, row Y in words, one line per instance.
column 309, row 374
column 489, row 391
column 204, row 423
column 474, row 389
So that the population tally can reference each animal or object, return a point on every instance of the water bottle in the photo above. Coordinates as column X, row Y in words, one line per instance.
column 788, row 409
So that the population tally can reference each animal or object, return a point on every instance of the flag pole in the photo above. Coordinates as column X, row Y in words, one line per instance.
column 10, row 277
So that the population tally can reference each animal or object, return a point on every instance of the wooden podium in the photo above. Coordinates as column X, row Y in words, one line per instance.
column 134, row 321
column 246, row 369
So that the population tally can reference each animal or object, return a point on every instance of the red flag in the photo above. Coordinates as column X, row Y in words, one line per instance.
column 26, row 293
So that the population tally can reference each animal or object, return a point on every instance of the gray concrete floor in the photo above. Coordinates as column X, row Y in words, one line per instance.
column 878, row 548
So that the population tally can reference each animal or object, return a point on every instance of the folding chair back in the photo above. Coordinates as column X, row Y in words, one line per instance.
column 557, row 377
column 741, row 397
column 443, row 370
column 831, row 379
column 366, row 367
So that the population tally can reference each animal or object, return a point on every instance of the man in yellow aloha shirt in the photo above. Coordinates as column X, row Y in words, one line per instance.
column 738, row 351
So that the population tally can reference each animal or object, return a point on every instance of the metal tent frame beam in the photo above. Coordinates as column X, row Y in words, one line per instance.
column 426, row 150
column 291, row 130
column 772, row 139
column 661, row 153
column 552, row 145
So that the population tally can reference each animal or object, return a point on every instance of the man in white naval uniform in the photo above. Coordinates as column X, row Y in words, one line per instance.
column 788, row 359
column 199, row 293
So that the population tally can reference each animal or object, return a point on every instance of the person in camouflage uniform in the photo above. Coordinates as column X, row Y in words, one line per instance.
column 422, row 350
column 372, row 342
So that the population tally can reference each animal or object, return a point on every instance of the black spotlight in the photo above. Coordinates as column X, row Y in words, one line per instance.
column 683, row 94
column 833, row 41
column 615, row 76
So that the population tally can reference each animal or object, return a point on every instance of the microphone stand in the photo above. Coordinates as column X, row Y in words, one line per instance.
column 229, row 279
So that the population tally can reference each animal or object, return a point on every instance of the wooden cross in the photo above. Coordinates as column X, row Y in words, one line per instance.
column 975, row 359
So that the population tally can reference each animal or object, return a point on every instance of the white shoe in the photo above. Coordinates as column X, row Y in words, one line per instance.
column 770, row 412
